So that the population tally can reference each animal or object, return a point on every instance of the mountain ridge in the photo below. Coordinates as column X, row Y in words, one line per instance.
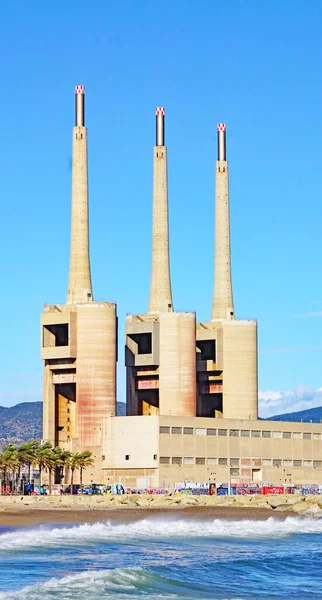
column 23, row 422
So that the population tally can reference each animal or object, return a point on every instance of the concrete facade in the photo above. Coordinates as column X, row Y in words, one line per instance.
column 79, row 338
column 160, row 354
column 227, row 371
column 168, row 451
column 192, row 389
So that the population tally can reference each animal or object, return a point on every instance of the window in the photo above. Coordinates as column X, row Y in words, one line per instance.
column 307, row 463
column 287, row 463
column 127, row 457
column 297, row 463
column 188, row 460
column 211, row 461
column 256, row 433
column 297, row 435
column 306, row 436
column 234, row 462
column 188, row 430
column 222, row 461
column 200, row 431
column 234, row 432
column 200, row 461
column 222, row 432
column 164, row 460
column 164, row 429
column 266, row 434
column 267, row 462
column 277, row 462
column 211, row 431
column 317, row 464
column 277, row 434
column 176, row 429
column 176, row 460
column 234, row 472
column 316, row 436
column 245, row 433
column 287, row 435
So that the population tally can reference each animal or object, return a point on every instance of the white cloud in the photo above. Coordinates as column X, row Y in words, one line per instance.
column 276, row 402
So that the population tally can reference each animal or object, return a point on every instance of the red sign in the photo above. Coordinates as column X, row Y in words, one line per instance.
column 272, row 490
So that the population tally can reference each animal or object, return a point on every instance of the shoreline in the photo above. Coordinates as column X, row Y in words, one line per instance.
column 36, row 510
column 35, row 517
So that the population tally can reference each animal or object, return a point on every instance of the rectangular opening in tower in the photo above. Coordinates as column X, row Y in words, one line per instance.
column 65, row 413
column 210, row 405
column 206, row 350
column 143, row 342
column 55, row 335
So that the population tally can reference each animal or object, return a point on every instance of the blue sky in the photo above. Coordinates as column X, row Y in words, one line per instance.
column 255, row 66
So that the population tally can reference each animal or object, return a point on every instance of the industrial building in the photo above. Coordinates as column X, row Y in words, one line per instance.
column 79, row 338
column 192, row 388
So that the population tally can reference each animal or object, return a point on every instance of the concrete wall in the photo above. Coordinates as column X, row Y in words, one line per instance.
column 96, row 370
column 222, row 305
column 79, row 284
column 240, row 373
column 203, row 450
column 160, row 291
column 177, row 371
column 136, row 438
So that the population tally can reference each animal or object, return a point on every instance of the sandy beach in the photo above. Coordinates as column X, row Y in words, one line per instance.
column 35, row 510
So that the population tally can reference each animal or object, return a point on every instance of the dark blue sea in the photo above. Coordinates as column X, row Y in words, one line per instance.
column 164, row 557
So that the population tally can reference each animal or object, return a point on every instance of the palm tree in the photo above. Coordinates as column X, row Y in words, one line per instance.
column 79, row 460
column 74, row 463
column 8, row 462
column 62, row 459
column 85, row 461
column 26, row 455
column 45, row 459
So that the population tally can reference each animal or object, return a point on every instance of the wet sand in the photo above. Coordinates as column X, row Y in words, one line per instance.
column 19, row 518
column 30, row 511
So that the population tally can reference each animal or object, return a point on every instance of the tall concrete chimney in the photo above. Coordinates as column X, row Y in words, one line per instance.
column 222, row 304
column 79, row 284
column 160, row 291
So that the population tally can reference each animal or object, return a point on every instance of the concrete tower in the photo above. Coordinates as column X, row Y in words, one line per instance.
column 79, row 338
column 227, row 374
column 79, row 284
column 222, row 305
column 160, row 347
column 160, row 291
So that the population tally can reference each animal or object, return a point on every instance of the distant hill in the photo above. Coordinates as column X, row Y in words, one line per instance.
column 313, row 415
column 23, row 422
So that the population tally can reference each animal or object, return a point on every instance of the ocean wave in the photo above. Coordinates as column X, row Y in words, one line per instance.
column 115, row 583
column 154, row 528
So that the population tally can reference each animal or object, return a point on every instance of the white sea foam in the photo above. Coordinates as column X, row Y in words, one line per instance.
column 118, row 584
column 150, row 529
column 88, row 585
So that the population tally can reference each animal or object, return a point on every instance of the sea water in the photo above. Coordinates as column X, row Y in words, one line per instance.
column 164, row 557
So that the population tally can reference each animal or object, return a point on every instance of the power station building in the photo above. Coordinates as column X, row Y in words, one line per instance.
column 191, row 388
column 79, row 338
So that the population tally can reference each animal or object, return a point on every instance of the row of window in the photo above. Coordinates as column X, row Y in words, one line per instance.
column 235, row 462
column 255, row 433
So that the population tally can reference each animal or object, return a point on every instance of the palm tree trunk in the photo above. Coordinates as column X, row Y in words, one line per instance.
column 72, row 481
column 81, row 477
column 5, row 481
column 49, row 480
column 40, row 474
